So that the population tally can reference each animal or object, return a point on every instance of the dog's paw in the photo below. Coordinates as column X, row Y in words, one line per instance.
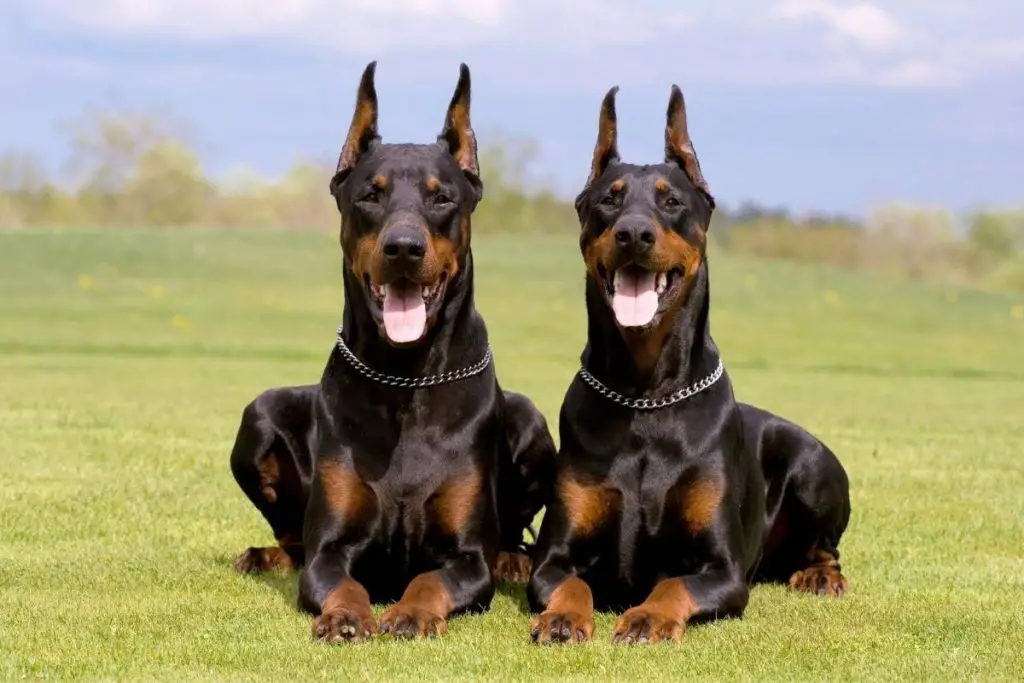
column 412, row 622
column 513, row 567
column 640, row 626
column 824, row 580
column 561, row 627
column 263, row 560
column 343, row 626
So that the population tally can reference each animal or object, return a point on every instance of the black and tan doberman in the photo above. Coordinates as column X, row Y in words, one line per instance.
column 406, row 474
column 671, row 497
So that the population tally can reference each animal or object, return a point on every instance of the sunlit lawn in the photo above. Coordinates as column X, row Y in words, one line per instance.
column 125, row 359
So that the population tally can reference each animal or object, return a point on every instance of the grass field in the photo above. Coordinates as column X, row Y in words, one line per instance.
column 126, row 357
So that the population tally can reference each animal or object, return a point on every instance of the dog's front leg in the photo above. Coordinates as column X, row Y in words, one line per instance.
column 341, row 604
column 720, row 592
column 568, row 615
column 342, row 514
column 564, row 600
column 463, row 583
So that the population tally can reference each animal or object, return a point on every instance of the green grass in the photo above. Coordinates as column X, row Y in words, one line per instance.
column 126, row 357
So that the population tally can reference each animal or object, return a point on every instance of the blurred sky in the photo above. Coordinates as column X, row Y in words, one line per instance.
column 811, row 104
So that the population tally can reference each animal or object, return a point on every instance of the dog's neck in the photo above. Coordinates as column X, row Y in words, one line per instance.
column 677, row 353
column 457, row 339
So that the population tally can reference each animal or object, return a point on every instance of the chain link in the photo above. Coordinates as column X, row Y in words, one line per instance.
column 652, row 403
column 411, row 382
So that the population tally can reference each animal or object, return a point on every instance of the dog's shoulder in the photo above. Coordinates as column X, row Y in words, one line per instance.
column 283, row 405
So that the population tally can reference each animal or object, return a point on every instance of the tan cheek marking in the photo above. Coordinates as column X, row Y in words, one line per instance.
column 599, row 253
column 363, row 258
column 441, row 255
column 671, row 251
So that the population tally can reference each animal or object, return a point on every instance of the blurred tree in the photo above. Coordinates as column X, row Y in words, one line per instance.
column 21, row 180
column 106, row 148
column 514, row 200
column 302, row 200
column 241, row 200
column 918, row 241
column 133, row 168
column 166, row 187
column 994, row 235
column 28, row 197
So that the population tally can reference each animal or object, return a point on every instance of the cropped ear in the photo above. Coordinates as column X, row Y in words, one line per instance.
column 606, row 151
column 678, row 145
column 458, row 136
column 362, row 134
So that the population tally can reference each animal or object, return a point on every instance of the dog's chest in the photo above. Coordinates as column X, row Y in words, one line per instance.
column 645, row 485
column 432, row 487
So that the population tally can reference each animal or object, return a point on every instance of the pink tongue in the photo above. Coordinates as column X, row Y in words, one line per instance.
column 405, row 313
column 635, row 302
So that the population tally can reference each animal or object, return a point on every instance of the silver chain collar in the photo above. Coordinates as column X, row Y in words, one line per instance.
column 652, row 403
column 411, row 382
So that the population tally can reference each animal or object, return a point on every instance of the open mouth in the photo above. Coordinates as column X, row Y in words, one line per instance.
column 637, row 294
column 404, row 307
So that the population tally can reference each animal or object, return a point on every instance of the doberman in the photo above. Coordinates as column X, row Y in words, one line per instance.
column 672, row 499
column 407, row 473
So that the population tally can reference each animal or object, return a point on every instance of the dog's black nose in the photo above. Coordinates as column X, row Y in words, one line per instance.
column 405, row 244
column 637, row 235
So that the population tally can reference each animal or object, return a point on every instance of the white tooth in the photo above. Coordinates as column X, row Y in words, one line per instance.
column 662, row 283
column 426, row 292
column 615, row 281
column 384, row 291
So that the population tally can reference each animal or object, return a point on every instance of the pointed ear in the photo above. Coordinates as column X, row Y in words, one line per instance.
column 678, row 145
column 362, row 134
column 457, row 135
column 606, row 151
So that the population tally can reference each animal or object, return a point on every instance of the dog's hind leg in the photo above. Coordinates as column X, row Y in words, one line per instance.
column 811, row 501
column 265, row 469
column 525, row 485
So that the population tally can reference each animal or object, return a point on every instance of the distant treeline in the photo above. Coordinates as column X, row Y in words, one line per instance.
column 132, row 169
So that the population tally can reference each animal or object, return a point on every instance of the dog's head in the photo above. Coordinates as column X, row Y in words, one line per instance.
column 643, row 227
column 405, row 213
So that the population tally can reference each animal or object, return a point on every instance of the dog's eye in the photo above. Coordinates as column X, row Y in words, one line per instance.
column 672, row 203
column 371, row 197
column 441, row 199
column 611, row 200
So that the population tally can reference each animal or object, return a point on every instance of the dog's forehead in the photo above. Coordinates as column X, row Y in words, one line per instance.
column 647, row 178
column 411, row 162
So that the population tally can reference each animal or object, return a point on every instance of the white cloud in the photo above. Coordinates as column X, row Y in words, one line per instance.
column 362, row 27
column 863, row 24
column 352, row 25
column 579, row 44
column 906, row 45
